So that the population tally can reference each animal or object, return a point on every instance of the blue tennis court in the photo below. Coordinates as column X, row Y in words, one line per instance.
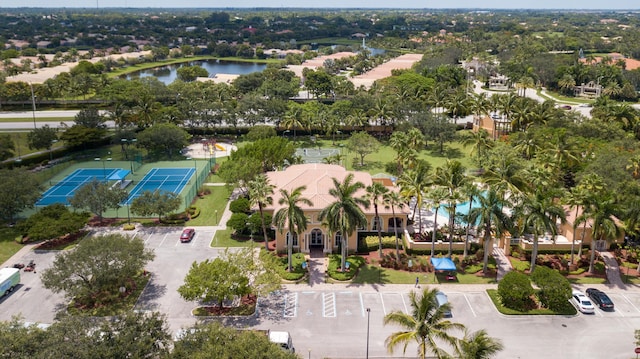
column 61, row 191
column 163, row 179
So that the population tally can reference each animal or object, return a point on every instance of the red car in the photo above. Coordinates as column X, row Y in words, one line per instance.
column 187, row 235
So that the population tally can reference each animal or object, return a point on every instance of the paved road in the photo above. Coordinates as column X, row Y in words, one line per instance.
column 41, row 119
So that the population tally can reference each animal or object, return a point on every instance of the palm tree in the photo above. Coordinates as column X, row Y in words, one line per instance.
column 412, row 184
column 480, row 143
column 375, row 194
column 471, row 191
column 451, row 176
column 491, row 218
column 601, row 211
column 392, row 199
column 537, row 212
column 437, row 195
column 291, row 216
column 425, row 324
column 478, row 345
column 344, row 215
column 576, row 197
column 260, row 192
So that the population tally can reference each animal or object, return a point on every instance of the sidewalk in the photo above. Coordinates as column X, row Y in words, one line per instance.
column 503, row 265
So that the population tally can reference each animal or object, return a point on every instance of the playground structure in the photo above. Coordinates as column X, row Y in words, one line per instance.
column 209, row 148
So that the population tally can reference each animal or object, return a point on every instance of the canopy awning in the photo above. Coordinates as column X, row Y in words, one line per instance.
column 119, row 175
column 443, row 264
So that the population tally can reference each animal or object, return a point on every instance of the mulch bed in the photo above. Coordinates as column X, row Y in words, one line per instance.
column 246, row 301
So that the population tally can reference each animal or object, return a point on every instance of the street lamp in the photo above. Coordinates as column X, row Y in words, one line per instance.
column 33, row 104
column 368, row 316
column 216, row 212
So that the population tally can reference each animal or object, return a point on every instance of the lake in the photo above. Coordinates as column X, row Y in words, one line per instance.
column 167, row 74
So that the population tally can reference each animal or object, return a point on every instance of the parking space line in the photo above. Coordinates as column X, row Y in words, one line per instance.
column 148, row 238
column 193, row 241
column 470, row 307
column 627, row 299
column 404, row 303
column 291, row 305
column 163, row 238
column 362, row 310
column 329, row 305
column 384, row 310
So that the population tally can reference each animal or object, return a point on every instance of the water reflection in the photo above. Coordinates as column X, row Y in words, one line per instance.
column 168, row 74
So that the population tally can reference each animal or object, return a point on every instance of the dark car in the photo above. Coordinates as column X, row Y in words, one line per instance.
column 187, row 235
column 600, row 299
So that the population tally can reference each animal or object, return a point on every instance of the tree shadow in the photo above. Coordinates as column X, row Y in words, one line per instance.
column 151, row 292
column 447, row 152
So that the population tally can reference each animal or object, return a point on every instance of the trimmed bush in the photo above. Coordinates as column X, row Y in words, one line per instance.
column 240, row 205
column 555, row 290
column 371, row 243
column 334, row 264
column 238, row 222
column 515, row 291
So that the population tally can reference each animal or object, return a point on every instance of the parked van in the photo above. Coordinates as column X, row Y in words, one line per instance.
column 441, row 299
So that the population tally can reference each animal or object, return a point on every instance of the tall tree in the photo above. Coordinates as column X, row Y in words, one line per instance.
column 363, row 144
column 538, row 213
column 425, row 324
column 478, row 345
column 97, row 265
column 345, row 214
column 393, row 200
column 20, row 190
column 492, row 220
column 451, row 176
column 375, row 194
column 98, row 196
column 260, row 192
column 437, row 195
column 292, row 217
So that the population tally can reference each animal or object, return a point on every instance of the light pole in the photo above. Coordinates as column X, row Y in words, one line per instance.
column 33, row 104
column 368, row 316
column 216, row 212
column 104, row 168
column 125, row 146
column 51, row 150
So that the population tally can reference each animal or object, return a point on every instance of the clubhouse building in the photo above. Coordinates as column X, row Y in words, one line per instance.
column 318, row 180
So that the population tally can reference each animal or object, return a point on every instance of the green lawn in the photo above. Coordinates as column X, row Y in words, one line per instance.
column 8, row 245
column 519, row 265
column 211, row 206
column 369, row 274
column 223, row 239
column 375, row 162
column 495, row 298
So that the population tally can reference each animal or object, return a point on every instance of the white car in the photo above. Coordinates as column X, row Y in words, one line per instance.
column 582, row 302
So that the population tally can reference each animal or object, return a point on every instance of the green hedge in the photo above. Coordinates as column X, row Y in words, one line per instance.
column 370, row 243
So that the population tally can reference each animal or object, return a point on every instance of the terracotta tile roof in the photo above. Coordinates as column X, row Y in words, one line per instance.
column 318, row 178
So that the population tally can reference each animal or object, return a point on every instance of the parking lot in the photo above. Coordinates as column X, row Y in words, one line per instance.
column 173, row 260
column 331, row 320
column 340, row 317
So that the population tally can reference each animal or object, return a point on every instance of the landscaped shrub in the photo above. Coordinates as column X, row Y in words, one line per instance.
column 255, row 222
column 515, row 291
column 371, row 243
column 555, row 290
column 296, row 265
column 334, row 265
column 238, row 222
column 240, row 205
column 417, row 264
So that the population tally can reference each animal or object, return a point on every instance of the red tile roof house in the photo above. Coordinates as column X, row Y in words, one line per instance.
column 318, row 179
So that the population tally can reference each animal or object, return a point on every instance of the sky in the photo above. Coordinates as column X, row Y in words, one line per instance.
column 474, row 4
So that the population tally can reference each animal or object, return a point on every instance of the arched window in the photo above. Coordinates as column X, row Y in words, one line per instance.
column 338, row 239
column 295, row 239
column 376, row 224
